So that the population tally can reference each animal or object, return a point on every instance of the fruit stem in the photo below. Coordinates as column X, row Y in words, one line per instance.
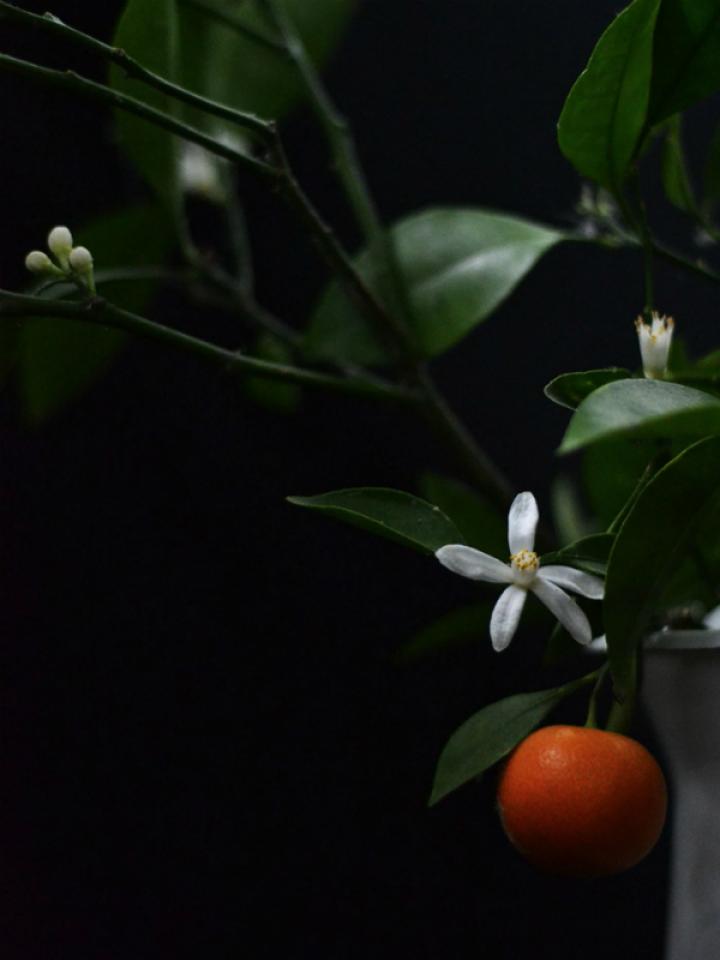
column 592, row 719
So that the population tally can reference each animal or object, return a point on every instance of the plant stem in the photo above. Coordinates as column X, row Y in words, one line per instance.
column 99, row 311
column 621, row 712
column 74, row 82
column 592, row 718
column 136, row 70
column 346, row 161
column 212, row 11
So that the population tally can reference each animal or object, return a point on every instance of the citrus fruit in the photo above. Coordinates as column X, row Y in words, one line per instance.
column 581, row 802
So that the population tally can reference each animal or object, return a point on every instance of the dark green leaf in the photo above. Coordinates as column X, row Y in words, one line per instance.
column 601, row 123
column 570, row 389
column 282, row 397
column 611, row 471
column 488, row 736
column 389, row 513
column 478, row 520
column 687, row 56
column 459, row 627
column 676, row 512
column 148, row 31
column 589, row 553
column 642, row 408
column 675, row 176
column 221, row 63
column 58, row 359
column 459, row 265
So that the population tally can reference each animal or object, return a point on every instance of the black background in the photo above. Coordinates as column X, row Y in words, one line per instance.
column 206, row 741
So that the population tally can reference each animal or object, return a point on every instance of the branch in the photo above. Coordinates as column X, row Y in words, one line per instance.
column 134, row 69
column 99, row 311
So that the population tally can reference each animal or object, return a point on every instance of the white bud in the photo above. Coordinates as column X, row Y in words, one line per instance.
column 38, row 262
column 81, row 260
column 60, row 243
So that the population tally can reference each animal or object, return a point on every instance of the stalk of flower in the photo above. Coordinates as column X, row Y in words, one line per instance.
column 655, row 339
column 524, row 574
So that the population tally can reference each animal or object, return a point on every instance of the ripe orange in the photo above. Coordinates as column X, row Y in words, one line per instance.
column 580, row 802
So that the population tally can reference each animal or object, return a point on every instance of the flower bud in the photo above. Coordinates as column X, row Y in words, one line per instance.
column 81, row 260
column 38, row 262
column 60, row 243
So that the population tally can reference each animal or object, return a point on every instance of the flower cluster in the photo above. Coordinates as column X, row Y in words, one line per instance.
column 522, row 574
column 73, row 263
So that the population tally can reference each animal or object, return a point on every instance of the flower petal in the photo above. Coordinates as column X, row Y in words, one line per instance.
column 583, row 583
column 506, row 616
column 472, row 563
column 564, row 608
column 522, row 521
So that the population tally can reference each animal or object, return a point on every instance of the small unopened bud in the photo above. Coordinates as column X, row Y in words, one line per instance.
column 81, row 259
column 81, row 262
column 655, row 339
column 60, row 243
column 38, row 262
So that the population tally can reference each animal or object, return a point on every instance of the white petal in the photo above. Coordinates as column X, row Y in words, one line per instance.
column 564, row 608
column 506, row 616
column 575, row 580
column 474, row 564
column 711, row 620
column 522, row 520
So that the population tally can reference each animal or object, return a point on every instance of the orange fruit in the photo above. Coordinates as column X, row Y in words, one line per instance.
column 580, row 802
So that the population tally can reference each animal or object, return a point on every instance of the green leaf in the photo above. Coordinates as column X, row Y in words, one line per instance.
column 461, row 626
column 642, row 408
column 570, row 389
column 675, row 514
column 388, row 513
column 458, row 265
column 687, row 56
column 611, row 471
column 478, row 520
column 675, row 176
column 588, row 553
column 603, row 117
column 58, row 359
column 148, row 31
column 567, row 511
column 488, row 736
column 281, row 397
column 219, row 62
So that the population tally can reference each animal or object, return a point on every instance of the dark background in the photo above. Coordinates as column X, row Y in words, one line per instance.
column 207, row 742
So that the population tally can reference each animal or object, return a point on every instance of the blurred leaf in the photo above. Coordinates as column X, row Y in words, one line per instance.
column 603, row 117
column 478, row 520
column 58, row 359
column 389, row 513
column 221, row 63
column 459, row 265
column 677, row 510
column 148, row 31
column 488, row 736
column 675, row 176
column 687, row 56
column 642, row 408
column 281, row 397
column 588, row 553
column 611, row 471
column 711, row 173
column 568, row 516
column 459, row 627
column 570, row 389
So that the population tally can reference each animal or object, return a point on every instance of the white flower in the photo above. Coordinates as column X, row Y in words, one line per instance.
column 524, row 573
column 655, row 340
column 38, row 262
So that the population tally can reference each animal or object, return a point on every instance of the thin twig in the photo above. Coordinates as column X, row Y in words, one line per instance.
column 99, row 311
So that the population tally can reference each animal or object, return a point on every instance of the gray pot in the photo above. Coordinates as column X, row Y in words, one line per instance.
column 681, row 692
